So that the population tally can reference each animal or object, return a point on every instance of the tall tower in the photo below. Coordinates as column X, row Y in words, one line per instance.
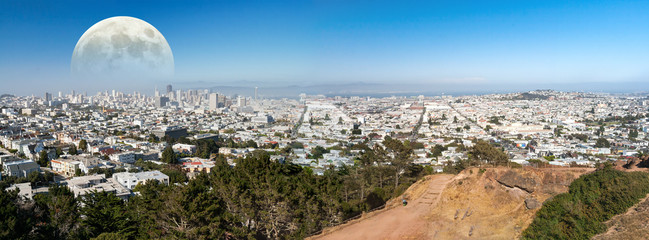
column 214, row 101
column 169, row 89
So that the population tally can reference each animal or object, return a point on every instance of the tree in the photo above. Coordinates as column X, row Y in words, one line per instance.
column 105, row 213
column 61, row 210
column 402, row 157
column 72, row 150
column 494, row 120
column 35, row 177
column 205, row 148
column 483, row 152
column 633, row 134
column 437, row 150
column 175, row 173
column 110, row 236
column 59, row 152
column 83, row 145
column 169, row 156
column 43, row 159
column 317, row 152
column 10, row 221
column 600, row 131
column 602, row 143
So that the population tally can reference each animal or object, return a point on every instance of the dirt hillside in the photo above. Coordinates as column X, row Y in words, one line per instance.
column 492, row 203
column 396, row 221
column 496, row 203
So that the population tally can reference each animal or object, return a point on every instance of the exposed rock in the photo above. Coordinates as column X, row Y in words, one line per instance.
column 532, row 203
column 514, row 179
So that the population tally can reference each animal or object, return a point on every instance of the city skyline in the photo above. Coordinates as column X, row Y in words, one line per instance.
column 404, row 47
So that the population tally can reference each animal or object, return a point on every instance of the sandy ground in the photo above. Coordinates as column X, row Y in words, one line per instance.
column 398, row 222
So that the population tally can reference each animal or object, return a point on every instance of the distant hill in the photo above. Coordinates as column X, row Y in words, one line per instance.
column 530, row 96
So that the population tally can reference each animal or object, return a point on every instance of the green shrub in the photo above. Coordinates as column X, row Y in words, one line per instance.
column 592, row 199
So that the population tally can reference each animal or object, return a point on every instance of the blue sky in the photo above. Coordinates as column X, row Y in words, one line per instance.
column 457, row 44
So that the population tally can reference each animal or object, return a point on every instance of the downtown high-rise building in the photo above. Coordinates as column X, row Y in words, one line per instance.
column 160, row 101
column 169, row 89
column 214, row 101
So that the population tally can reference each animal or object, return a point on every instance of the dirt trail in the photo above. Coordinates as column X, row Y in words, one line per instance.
column 399, row 222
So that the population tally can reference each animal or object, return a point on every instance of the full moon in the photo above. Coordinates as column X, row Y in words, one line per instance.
column 122, row 48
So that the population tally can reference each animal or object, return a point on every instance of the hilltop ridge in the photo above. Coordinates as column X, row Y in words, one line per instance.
column 495, row 203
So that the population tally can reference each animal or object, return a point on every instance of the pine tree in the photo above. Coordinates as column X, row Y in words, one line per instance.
column 83, row 145
column 105, row 213
column 59, row 152
column 168, row 156
column 43, row 159
column 72, row 150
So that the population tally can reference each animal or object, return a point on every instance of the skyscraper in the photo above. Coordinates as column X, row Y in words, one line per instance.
column 169, row 89
column 161, row 101
column 241, row 101
column 48, row 97
column 214, row 101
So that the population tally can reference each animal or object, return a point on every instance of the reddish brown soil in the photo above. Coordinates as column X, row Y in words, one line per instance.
column 396, row 221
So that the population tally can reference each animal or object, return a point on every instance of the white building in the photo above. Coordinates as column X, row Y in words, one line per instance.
column 184, row 148
column 123, row 157
column 83, row 185
column 130, row 180
column 19, row 168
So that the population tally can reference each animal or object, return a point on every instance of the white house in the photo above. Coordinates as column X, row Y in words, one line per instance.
column 130, row 180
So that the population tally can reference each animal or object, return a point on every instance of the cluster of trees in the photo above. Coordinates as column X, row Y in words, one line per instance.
column 592, row 199
column 482, row 153
column 169, row 156
column 256, row 199
column 317, row 152
column 35, row 178
column 633, row 134
column 602, row 143
column 59, row 215
column 580, row 136
column 247, row 144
